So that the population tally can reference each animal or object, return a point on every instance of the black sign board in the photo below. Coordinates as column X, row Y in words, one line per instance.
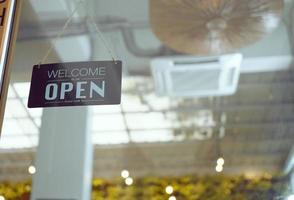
column 76, row 84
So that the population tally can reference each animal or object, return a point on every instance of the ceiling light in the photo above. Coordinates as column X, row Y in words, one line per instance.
column 219, row 168
column 220, row 161
column 125, row 173
column 129, row 181
column 2, row 198
column 169, row 189
column 31, row 170
column 172, row 198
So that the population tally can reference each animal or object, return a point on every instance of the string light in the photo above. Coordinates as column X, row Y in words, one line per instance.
column 219, row 168
column 2, row 197
column 220, row 161
column 169, row 189
column 31, row 170
column 129, row 181
column 125, row 173
column 28, row 188
column 172, row 198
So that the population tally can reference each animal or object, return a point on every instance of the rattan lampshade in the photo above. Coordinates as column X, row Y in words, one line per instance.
column 204, row 27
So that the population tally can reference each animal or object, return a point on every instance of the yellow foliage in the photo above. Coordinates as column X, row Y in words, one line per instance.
column 185, row 188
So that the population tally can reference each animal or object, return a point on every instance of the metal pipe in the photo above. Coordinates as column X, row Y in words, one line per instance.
column 132, row 46
column 50, row 29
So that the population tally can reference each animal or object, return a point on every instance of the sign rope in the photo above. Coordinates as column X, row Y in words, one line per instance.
column 59, row 35
column 91, row 19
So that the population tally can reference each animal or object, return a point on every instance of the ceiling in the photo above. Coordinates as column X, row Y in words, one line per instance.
column 252, row 129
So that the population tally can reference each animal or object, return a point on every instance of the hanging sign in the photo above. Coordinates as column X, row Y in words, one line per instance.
column 76, row 84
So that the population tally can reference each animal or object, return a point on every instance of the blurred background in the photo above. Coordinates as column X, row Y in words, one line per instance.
column 237, row 146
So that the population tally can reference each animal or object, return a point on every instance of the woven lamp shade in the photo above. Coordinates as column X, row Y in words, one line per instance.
column 203, row 27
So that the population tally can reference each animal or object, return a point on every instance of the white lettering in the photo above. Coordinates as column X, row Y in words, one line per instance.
column 102, row 71
column 93, row 72
column 80, row 90
column 62, row 73
column 52, row 73
column 73, row 74
column 65, row 87
column 48, row 92
column 99, row 90
column 84, row 72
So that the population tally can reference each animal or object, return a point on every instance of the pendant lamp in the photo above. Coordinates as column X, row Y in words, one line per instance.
column 204, row 27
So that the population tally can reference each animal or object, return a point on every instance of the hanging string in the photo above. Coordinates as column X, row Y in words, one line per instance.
column 91, row 20
column 59, row 35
